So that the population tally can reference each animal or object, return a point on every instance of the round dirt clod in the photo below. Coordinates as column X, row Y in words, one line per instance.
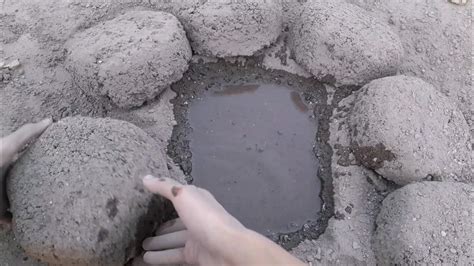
column 341, row 43
column 426, row 223
column 232, row 28
column 129, row 59
column 77, row 197
column 406, row 131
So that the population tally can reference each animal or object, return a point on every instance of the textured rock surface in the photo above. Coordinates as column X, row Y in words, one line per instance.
column 129, row 59
column 11, row 253
column 406, row 131
column 427, row 223
column 231, row 28
column 437, row 40
column 77, row 196
column 340, row 42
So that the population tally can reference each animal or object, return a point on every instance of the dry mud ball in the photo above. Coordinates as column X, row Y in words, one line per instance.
column 77, row 196
column 426, row 223
column 339, row 42
column 406, row 131
column 231, row 28
column 129, row 59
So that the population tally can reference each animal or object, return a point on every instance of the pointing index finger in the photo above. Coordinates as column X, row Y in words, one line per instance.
column 24, row 134
column 163, row 186
column 13, row 143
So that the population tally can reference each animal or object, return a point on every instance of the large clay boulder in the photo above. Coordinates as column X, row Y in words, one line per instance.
column 129, row 59
column 341, row 43
column 426, row 223
column 76, row 194
column 231, row 28
column 407, row 131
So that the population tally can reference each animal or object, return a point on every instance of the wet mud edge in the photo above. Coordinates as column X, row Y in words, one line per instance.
column 202, row 77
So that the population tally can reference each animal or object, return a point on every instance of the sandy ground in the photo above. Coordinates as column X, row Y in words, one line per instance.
column 437, row 41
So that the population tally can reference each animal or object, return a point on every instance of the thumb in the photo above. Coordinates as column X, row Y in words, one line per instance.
column 13, row 143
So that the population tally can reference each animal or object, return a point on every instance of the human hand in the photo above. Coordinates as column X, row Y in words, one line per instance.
column 205, row 233
column 10, row 146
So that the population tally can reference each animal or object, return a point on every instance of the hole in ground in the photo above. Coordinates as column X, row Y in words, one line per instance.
column 258, row 141
column 252, row 145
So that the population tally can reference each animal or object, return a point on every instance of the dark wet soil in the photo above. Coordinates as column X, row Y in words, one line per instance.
column 290, row 180
column 252, row 145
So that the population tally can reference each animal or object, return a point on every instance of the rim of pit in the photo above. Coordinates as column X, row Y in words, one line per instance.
column 202, row 77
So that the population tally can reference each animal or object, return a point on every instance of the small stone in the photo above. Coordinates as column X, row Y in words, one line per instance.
column 452, row 250
column 318, row 254
column 458, row 2
column 310, row 258
column 355, row 245
column 348, row 209
column 339, row 216
column 13, row 64
column 443, row 233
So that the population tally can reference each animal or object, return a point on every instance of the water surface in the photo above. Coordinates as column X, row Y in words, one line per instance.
column 252, row 147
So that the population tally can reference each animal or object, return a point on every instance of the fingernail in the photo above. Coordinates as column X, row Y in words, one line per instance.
column 145, row 243
column 149, row 177
column 47, row 121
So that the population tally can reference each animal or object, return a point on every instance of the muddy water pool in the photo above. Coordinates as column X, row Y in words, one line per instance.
column 252, row 147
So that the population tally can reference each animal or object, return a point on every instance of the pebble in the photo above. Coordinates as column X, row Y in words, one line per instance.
column 13, row 64
column 443, row 233
column 458, row 2
column 310, row 258
column 355, row 245
column 318, row 254
column 330, row 251
column 453, row 251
